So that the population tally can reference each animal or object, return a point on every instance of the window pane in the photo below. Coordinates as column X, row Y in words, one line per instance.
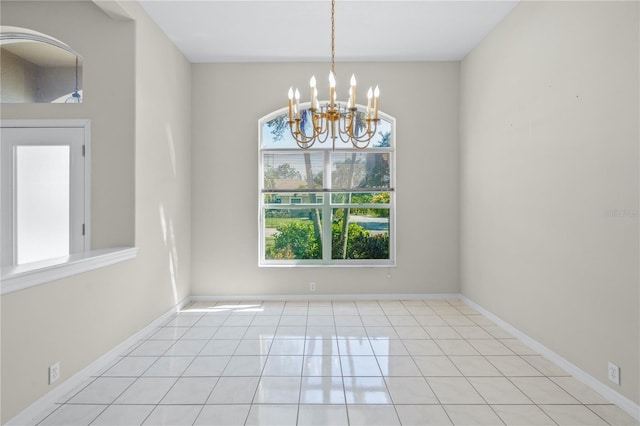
column 351, row 170
column 367, row 234
column 291, row 171
column 293, row 233
column 361, row 198
column 294, row 198
column 42, row 202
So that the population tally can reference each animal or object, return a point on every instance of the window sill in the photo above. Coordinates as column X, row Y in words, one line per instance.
column 16, row 278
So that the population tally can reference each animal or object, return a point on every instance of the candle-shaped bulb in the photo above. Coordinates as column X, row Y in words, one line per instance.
column 297, row 105
column 290, row 103
column 352, row 92
column 314, row 91
column 369, row 93
column 376, row 95
column 332, row 79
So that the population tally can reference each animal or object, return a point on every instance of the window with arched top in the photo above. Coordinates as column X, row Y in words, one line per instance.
column 329, row 205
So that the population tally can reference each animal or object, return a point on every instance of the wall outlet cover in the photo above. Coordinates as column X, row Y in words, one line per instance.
column 614, row 373
column 54, row 372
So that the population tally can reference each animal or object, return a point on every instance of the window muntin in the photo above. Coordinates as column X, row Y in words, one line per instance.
column 306, row 194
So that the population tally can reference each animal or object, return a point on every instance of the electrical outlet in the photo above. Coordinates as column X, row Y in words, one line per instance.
column 614, row 373
column 54, row 372
column 312, row 286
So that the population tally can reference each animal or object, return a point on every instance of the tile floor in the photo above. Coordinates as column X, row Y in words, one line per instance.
column 416, row 362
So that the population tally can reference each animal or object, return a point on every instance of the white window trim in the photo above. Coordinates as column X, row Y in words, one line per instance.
column 325, row 262
column 19, row 277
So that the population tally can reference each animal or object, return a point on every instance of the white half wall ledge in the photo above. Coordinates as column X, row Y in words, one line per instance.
column 609, row 394
column 16, row 278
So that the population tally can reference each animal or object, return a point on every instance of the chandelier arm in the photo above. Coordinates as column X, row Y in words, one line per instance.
column 344, row 138
column 350, row 120
column 344, row 133
column 358, row 146
column 323, row 139
column 320, row 123
column 370, row 133
column 350, row 125
column 324, row 136
column 299, row 136
column 343, row 123
column 321, row 127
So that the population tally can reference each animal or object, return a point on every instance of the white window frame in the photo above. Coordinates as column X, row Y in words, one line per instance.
column 326, row 205
column 79, row 185
column 82, row 258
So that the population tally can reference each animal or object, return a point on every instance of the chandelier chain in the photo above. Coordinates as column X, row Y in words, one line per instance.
column 333, row 36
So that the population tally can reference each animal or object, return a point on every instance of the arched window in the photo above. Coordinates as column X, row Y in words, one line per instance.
column 327, row 205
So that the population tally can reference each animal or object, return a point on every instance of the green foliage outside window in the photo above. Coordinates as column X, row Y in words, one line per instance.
column 296, row 240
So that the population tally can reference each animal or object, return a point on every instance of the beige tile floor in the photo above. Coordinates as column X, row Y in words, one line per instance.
column 415, row 362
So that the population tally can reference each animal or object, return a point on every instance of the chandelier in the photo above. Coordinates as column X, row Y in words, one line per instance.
column 333, row 120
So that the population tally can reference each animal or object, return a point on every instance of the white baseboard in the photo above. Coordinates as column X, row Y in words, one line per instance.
column 609, row 394
column 32, row 414
column 322, row 297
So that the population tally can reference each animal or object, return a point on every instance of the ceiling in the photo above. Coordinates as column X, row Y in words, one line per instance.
column 300, row 30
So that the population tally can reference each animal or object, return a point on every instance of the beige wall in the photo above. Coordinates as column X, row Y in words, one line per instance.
column 163, row 167
column 137, row 88
column 17, row 78
column 228, row 100
column 549, row 153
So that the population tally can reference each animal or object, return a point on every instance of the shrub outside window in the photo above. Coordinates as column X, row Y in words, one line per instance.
column 325, row 206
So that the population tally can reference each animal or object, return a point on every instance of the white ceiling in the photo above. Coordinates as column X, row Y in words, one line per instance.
column 300, row 30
